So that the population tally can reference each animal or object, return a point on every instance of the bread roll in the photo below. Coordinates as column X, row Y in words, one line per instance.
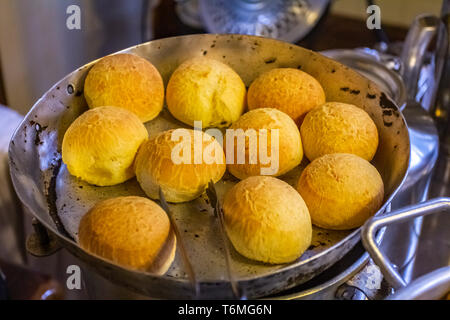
column 341, row 191
column 133, row 232
column 126, row 81
column 206, row 90
column 289, row 90
column 267, row 220
column 167, row 160
column 288, row 154
column 339, row 128
column 99, row 147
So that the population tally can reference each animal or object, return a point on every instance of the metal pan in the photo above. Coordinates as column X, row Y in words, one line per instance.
column 59, row 200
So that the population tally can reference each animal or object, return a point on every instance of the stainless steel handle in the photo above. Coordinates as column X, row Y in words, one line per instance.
column 370, row 228
column 420, row 35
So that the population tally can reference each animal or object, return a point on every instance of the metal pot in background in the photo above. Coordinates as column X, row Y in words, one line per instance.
column 435, row 284
column 288, row 20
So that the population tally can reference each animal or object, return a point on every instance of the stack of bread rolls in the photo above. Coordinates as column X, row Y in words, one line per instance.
column 266, row 219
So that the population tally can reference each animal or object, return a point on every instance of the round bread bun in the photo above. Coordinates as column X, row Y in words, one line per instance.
column 167, row 160
column 133, row 232
column 267, row 220
column 341, row 191
column 339, row 128
column 290, row 90
column 206, row 90
column 289, row 150
column 99, row 147
column 126, row 81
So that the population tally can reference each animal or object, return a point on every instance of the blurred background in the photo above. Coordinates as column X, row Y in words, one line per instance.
column 37, row 50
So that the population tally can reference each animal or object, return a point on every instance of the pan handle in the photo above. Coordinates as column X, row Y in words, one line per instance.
column 370, row 228
column 422, row 31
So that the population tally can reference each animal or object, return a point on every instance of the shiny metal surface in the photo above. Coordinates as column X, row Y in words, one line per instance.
column 435, row 237
column 370, row 228
column 218, row 213
column 288, row 20
column 326, row 286
column 433, row 250
column 36, row 168
column 415, row 189
column 424, row 29
column 180, row 245
column 369, row 64
column 424, row 142
column 432, row 286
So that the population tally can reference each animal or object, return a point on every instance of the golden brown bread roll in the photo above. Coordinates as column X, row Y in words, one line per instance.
column 126, row 81
column 132, row 231
column 290, row 90
column 341, row 191
column 287, row 155
column 100, row 145
column 267, row 220
column 206, row 90
column 339, row 128
column 167, row 160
